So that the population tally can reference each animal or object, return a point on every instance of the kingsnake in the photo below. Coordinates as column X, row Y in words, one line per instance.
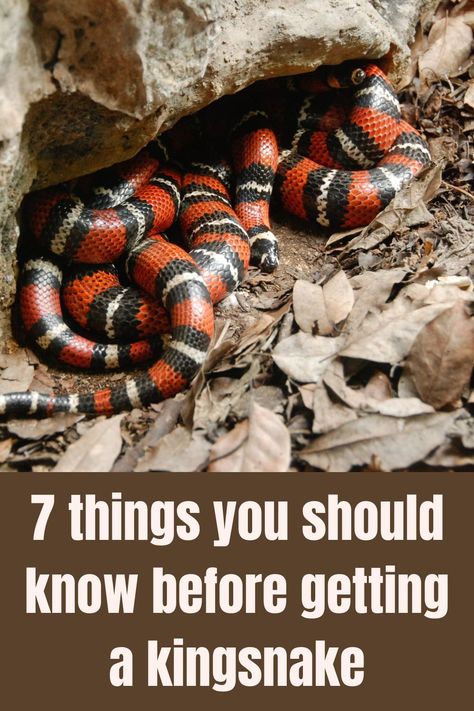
column 316, row 156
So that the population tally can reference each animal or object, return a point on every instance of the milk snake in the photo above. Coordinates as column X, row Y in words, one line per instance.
column 332, row 162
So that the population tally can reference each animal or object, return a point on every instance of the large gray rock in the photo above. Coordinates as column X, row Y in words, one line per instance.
column 88, row 83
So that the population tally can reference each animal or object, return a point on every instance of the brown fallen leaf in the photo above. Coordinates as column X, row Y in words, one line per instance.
column 387, row 337
column 379, row 387
column 42, row 380
column 449, row 47
column 321, row 308
column 37, row 429
column 5, row 449
column 259, row 444
column 20, row 355
column 449, row 455
column 362, row 400
column 441, row 359
column 328, row 414
column 397, row 443
column 268, row 396
column 338, row 297
column 17, row 376
column 178, row 451
column 260, row 330
column 371, row 291
column 469, row 95
column 308, row 306
column 303, row 357
column 164, row 423
column 443, row 148
column 96, row 450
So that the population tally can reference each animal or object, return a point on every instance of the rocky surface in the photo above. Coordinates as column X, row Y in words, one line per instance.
column 86, row 84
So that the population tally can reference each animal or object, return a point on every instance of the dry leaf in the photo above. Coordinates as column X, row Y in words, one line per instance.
column 42, row 380
column 307, row 394
column 371, row 291
column 450, row 454
column 449, row 43
column 397, row 443
column 168, row 413
column 321, row 308
column 339, row 297
column 463, row 429
column 378, row 387
column 5, row 449
column 308, row 305
column 388, row 337
column 469, row 95
column 399, row 407
column 362, row 400
column 260, row 329
column 268, row 396
column 340, row 238
column 305, row 358
column 16, row 377
column 96, row 450
column 328, row 415
column 178, row 451
column 465, row 11
column 36, row 429
column 442, row 357
column 259, row 444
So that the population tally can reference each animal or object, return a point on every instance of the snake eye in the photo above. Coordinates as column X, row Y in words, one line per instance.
column 357, row 76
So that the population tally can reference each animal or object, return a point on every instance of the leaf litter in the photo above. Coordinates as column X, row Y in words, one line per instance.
column 356, row 354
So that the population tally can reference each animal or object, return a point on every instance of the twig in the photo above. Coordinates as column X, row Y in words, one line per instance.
column 458, row 189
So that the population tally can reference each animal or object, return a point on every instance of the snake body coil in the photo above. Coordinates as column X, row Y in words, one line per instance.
column 335, row 164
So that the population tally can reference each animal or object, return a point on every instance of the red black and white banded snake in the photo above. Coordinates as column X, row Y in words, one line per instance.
column 335, row 162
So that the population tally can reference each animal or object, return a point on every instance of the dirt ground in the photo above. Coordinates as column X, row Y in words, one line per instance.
column 357, row 353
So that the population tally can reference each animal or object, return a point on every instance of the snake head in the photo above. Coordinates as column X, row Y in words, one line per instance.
column 345, row 75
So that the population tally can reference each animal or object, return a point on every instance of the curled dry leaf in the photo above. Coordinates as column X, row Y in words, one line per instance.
column 303, row 357
column 379, row 386
column 96, row 450
column 396, row 443
column 449, row 43
column 178, row 451
column 442, row 357
column 259, row 444
column 261, row 329
column 321, row 308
